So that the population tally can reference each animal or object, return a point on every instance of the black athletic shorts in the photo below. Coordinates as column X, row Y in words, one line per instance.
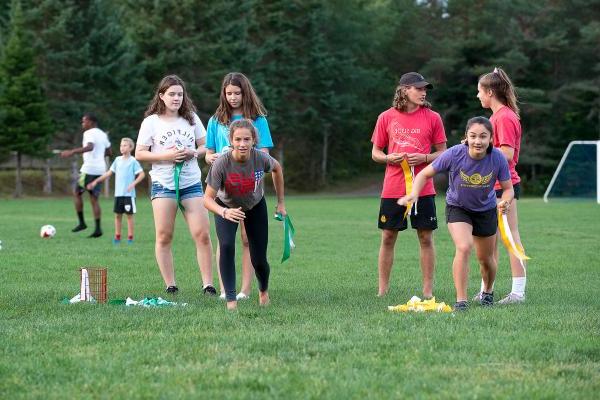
column 484, row 223
column 84, row 180
column 516, row 188
column 124, row 205
column 422, row 216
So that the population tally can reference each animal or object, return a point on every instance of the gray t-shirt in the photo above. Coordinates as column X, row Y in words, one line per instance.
column 240, row 184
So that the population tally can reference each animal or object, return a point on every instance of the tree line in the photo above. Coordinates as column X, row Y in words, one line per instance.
column 324, row 70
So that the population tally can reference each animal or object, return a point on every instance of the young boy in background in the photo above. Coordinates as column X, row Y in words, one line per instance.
column 128, row 173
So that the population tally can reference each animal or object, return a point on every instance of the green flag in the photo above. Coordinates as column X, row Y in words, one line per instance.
column 177, row 172
column 288, row 235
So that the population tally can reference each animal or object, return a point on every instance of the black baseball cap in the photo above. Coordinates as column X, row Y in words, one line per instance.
column 414, row 79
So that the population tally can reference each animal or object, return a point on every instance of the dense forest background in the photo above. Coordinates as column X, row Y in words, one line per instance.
column 324, row 70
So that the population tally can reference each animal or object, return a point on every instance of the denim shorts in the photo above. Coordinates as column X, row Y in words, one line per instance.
column 160, row 192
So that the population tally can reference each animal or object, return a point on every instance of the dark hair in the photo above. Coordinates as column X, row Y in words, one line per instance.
column 243, row 124
column 400, row 101
column 252, row 107
column 157, row 106
column 502, row 87
column 486, row 124
column 91, row 117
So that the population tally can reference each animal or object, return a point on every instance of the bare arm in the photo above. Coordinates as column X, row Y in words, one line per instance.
column 380, row 157
column 508, row 152
column 231, row 214
column 138, row 178
column 143, row 153
column 420, row 158
column 99, row 179
column 277, row 175
column 78, row 150
column 210, row 156
column 508, row 194
column 418, row 185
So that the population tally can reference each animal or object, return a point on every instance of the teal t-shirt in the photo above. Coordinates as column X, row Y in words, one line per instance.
column 125, row 170
column 217, row 134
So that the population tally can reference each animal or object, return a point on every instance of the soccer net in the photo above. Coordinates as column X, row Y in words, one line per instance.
column 578, row 173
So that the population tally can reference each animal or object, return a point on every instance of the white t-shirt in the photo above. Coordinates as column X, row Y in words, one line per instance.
column 160, row 135
column 93, row 161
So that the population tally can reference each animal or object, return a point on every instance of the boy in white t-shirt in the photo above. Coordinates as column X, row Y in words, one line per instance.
column 128, row 173
column 94, row 147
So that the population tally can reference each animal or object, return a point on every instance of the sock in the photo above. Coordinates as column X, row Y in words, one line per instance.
column 98, row 225
column 129, row 237
column 80, row 216
column 117, row 237
column 518, row 285
column 483, row 286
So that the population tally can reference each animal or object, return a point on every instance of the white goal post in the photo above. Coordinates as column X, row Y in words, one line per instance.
column 564, row 165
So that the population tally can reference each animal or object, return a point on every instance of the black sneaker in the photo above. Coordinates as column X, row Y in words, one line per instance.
column 79, row 227
column 172, row 289
column 96, row 234
column 487, row 299
column 210, row 290
column 461, row 305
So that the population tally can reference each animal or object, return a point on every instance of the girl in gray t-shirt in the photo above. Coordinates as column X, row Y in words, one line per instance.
column 235, row 192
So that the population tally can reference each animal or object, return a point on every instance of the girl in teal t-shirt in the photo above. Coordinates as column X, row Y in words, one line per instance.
column 237, row 100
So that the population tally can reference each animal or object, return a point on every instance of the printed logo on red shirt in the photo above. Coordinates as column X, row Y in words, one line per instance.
column 405, row 137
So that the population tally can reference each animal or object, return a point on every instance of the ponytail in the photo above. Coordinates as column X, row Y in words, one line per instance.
column 500, row 84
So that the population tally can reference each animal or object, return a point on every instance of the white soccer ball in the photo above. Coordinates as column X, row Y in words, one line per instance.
column 47, row 231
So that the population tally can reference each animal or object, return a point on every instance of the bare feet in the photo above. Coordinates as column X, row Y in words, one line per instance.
column 232, row 305
column 382, row 293
column 263, row 298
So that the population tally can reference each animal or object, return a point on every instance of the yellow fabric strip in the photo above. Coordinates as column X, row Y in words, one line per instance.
column 408, row 180
column 508, row 240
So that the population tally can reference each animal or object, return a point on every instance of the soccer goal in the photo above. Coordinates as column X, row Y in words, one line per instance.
column 578, row 173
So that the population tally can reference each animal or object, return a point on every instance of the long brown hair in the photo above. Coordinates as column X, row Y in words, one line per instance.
column 400, row 102
column 252, row 107
column 502, row 87
column 157, row 106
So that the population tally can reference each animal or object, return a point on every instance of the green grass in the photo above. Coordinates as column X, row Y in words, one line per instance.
column 325, row 335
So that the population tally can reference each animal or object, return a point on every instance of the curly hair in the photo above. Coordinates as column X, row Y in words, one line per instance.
column 400, row 102
column 157, row 106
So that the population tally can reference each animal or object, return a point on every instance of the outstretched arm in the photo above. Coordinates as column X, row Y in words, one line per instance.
column 231, row 214
column 418, row 184
column 508, row 193
column 78, row 150
column 277, row 175
column 99, row 179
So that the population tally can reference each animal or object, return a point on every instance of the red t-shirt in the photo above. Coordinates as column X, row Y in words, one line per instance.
column 402, row 132
column 507, row 132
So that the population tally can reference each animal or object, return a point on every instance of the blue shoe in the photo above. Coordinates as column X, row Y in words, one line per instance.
column 129, row 241
column 116, row 241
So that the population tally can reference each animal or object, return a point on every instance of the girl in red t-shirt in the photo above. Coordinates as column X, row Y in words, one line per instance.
column 497, row 92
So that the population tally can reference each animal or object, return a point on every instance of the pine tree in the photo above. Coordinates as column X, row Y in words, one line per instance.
column 25, row 125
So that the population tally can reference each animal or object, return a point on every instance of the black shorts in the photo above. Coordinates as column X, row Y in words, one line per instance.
column 84, row 180
column 484, row 223
column 422, row 215
column 516, row 188
column 124, row 205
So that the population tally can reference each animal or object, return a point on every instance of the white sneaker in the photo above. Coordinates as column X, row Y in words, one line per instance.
column 242, row 296
column 477, row 297
column 222, row 296
column 512, row 298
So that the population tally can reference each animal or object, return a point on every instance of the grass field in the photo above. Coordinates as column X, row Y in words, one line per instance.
column 325, row 335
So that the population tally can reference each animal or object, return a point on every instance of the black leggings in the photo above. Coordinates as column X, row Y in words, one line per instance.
column 257, row 230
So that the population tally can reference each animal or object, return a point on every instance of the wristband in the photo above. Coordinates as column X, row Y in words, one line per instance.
column 425, row 158
column 223, row 213
column 386, row 160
